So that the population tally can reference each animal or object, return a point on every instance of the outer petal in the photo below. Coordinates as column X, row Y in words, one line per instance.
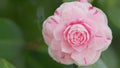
column 87, row 57
column 56, row 53
column 97, row 15
column 58, row 32
column 48, row 27
column 66, row 48
column 79, row 48
column 72, row 10
column 102, row 38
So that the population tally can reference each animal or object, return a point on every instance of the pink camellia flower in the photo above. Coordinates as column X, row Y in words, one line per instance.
column 77, row 33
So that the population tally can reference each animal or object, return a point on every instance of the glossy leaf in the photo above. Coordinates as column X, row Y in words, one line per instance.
column 110, row 58
column 31, row 14
column 5, row 64
column 40, row 60
column 11, row 41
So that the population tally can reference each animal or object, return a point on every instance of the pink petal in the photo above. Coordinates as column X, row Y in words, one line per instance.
column 98, row 44
column 72, row 10
column 48, row 28
column 47, row 37
column 79, row 48
column 97, row 15
column 86, row 57
column 89, row 24
column 102, row 38
column 55, row 45
column 58, row 32
column 71, row 13
column 83, row 0
column 56, row 53
column 66, row 48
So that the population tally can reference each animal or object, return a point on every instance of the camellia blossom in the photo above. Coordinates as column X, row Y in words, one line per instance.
column 77, row 33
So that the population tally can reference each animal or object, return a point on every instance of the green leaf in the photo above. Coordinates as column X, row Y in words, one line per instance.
column 30, row 15
column 69, row 0
column 114, row 15
column 11, row 41
column 110, row 58
column 98, row 64
column 5, row 64
column 40, row 60
column 71, row 66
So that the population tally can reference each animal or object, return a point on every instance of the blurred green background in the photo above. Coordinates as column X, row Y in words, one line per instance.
column 21, row 41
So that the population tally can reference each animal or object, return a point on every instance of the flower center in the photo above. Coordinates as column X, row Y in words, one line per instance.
column 76, row 34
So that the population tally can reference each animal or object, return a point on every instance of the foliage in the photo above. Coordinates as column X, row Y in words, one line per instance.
column 5, row 64
column 21, row 41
